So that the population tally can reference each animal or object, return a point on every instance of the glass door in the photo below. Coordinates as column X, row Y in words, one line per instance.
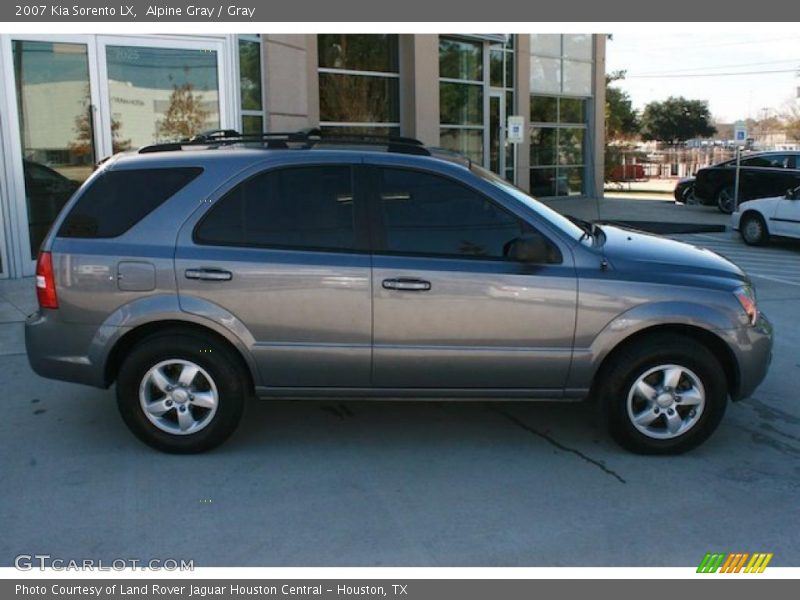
column 55, row 115
column 155, row 90
column 497, row 132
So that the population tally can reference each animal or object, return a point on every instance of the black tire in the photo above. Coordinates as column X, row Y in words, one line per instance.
column 639, row 357
column 227, row 376
column 726, row 201
column 753, row 229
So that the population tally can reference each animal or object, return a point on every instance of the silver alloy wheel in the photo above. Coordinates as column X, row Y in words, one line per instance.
column 178, row 396
column 666, row 401
column 753, row 230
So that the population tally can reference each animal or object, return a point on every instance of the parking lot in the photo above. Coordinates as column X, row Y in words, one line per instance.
column 403, row 483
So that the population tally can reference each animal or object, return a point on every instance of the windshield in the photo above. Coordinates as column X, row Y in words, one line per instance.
column 557, row 219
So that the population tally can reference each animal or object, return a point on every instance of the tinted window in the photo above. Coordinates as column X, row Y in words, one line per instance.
column 775, row 161
column 117, row 200
column 429, row 214
column 306, row 207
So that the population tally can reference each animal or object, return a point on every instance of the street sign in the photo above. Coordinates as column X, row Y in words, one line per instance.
column 740, row 133
column 516, row 129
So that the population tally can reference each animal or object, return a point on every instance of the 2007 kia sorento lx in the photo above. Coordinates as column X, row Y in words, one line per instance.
column 301, row 266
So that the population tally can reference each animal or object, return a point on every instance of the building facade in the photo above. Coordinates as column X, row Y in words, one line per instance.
column 67, row 101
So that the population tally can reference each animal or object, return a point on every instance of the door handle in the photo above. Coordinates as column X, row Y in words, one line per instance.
column 208, row 274
column 407, row 284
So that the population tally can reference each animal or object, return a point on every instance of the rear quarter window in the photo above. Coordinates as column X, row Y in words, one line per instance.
column 117, row 200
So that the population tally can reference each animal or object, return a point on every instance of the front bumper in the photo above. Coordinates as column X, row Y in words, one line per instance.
column 735, row 218
column 752, row 347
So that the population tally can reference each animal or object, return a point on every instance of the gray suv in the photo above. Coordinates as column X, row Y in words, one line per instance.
column 305, row 266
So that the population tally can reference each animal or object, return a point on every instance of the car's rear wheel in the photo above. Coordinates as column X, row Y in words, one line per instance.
column 726, row 200
column 664, row 394
column 181, row 392
column 753, row 229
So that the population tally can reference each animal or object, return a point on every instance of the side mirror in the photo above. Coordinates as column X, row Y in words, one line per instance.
column 792, row 193
column 531, row 248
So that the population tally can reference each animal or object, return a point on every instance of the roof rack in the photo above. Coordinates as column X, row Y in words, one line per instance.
column 302, row 139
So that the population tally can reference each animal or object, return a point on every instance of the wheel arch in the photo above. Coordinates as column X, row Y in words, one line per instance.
column 707, row 338
column 127, row 341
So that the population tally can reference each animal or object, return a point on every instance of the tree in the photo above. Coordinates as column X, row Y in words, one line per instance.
column 791, row 121
column 185, row 114
column 84, row 142
column 676, row 120
column 622, row 122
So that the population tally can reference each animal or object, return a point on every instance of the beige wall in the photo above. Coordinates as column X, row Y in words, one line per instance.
column 291, row 92
column 598, row 122
column 523, row 108
column 419, row 87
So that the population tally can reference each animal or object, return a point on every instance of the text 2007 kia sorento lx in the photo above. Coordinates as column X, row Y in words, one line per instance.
column 301, row 266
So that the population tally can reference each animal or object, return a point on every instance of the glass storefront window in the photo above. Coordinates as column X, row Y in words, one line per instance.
column 558, row 141
column 460, row 104
column 161, row 94
column 460, row 59
column 544, row 109
column 571, row 110
column 250, row 74
column 359, row 83
column 543, row 146
column 252, row 125
column 546, row 44
column 357, row 98
column 561, row 83
column 468, row 142
column 570, row 146
column 367, row 52
column 58, row 140
column 496, row 67
column 546, row 75
column 578, row 46
column 577, row 78
column 543, row 182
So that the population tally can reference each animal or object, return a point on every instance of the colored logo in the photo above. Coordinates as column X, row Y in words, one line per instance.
column 735, row 562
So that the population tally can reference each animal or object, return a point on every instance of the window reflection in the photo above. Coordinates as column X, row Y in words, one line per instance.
column 160, row 94
column 57, row 137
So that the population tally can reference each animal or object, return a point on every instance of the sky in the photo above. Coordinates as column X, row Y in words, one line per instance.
column 660, row 65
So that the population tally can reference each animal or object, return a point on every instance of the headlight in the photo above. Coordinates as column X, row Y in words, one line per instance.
column 746, row 295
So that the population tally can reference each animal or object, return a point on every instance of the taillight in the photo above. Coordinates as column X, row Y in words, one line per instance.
column 45, row 281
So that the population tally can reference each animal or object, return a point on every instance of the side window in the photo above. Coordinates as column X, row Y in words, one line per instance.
column 117, row 200
column 303, row 207
column 774, row 161
column 432, row 215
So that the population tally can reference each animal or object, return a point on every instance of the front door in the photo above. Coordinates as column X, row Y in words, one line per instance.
column 451, row 310
column 786, row 220
column 78, row 99
column 56, row 146
column 279, row 259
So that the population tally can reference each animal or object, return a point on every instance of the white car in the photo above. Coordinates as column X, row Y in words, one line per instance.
column 759, row 219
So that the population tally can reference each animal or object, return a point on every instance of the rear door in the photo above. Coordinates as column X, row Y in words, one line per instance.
column 450, row 309
column 767, row 175
column 284, row 252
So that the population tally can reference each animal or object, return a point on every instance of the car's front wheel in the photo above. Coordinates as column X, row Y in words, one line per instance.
column 753, row 229
column 664, row 394
column 181, row 392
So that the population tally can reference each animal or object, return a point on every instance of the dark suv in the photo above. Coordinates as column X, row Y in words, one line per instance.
column 761, row 175
column 301, row 266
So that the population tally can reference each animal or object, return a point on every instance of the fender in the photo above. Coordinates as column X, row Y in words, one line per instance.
column 718, row 320
column 167, row 307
